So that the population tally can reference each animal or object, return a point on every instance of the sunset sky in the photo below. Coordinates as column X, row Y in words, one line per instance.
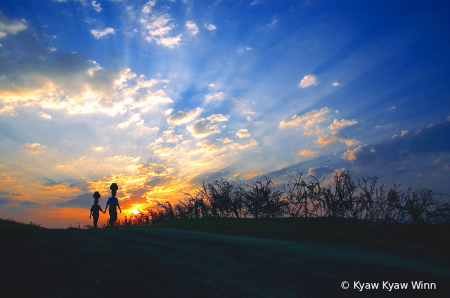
column 159, row 96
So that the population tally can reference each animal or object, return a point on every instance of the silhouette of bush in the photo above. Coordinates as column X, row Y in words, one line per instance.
column 342, row 198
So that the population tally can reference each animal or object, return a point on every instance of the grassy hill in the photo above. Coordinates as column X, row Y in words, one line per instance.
column 158, row 261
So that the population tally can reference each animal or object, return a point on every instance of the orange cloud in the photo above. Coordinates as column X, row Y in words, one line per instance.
column 338, row 124
column 325, row 140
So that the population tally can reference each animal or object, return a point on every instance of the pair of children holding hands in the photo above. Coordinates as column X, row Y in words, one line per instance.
column 112, row 202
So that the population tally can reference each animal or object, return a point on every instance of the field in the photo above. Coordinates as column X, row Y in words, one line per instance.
column 225, row 257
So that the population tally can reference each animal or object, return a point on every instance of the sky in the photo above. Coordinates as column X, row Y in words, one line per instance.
column 159, row 96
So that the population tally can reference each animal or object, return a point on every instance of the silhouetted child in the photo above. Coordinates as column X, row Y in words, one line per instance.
column 95, row 209
column 113, row 203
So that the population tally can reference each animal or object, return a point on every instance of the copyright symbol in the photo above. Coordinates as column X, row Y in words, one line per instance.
column 345, row 285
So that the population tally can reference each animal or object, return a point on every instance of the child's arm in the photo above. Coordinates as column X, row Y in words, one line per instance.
column 119, row 207
column 90, row 214
column 106, row 208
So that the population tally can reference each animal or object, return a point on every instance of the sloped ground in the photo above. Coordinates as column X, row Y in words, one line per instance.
column 147, row 262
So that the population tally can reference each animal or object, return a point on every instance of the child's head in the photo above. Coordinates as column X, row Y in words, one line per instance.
column 97, row 195
column 114, row 189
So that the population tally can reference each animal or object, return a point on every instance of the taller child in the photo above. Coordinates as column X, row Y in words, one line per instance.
column 113, row 203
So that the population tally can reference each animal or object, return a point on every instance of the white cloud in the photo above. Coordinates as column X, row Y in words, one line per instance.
column 338, row 124
column 216, row 96
column 325, row 140
column 309, row 80
column 209, row 27
column 243, row 133
column 202, row 128
column 308, row 119
column 391, row 108
column 273, row 23
column 217, row 118
column 157, row 26
column 404, row 133
column 135, row 118
column 9, row 110
column 384, row 126
column 44, row 115
column 335, row 84
column 447, row 167
column 147, row 8
column 96, row 6
column 192, row 27
column 8, row 26
column 225, row 140
column 101, row 33
column 169, row 42
column 183, row 117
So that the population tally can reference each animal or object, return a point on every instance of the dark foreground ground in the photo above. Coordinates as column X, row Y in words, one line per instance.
column 171, row 262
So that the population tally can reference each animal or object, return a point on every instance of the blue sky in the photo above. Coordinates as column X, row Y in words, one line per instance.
column 161, row 95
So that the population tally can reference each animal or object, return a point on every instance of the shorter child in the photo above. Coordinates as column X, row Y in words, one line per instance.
column 96, row 208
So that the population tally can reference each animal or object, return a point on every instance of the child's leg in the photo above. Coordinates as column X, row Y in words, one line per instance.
column 95, row 221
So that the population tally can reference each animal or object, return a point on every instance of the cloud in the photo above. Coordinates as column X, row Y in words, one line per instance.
column 225, row 140
column 11, row 26
column 34, row 148
column 400, row 149
column 84, row 201
column 217, row 118
column 101, row 33
column 183, row 117
column 209, row 27
column 350, row 154
column 309, row 80
column 209, row 148
column 391, row 109
column 192, row 27
column 5, row 201
column 157, row 26
column 447, row 167
column 96, row 6
column 320, row 172
column 29, row 204
column 338, row 124
column 72, row 83
column 273, row 23
column 243, row 133
column 308, row 119
column 308, row 153
column 202, row 128
column 216, row 96
column 313, row 132
column 325, row 140
column 154, row 169
column 134, row 119
column 45, row 116
column 335, row 84
column 7, row 110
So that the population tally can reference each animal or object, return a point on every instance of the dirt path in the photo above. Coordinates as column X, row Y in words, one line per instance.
column 178, row 263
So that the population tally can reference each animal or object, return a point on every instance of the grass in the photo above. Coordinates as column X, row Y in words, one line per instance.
column 74, row 262
column 434, row 239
